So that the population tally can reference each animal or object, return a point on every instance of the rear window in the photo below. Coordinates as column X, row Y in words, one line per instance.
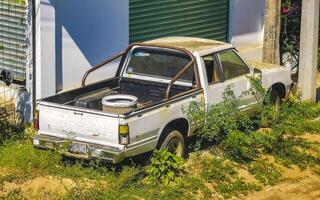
column 159, row 63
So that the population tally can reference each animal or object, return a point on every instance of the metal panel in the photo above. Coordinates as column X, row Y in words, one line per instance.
column 194, row 18
column 13, row 39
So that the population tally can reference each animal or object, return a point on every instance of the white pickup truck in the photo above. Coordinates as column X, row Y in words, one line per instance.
column 140, row 108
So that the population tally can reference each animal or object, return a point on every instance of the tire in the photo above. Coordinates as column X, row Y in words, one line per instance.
column 275, row 100
column 174, row 142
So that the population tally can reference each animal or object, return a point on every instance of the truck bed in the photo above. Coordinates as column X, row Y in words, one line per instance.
column 148, row 92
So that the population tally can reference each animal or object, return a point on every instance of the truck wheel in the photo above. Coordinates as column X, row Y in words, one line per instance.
column 275, row 100
column 174, row 143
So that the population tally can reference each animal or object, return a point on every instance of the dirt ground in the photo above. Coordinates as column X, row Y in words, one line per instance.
column 304, row 188
column 297, row 184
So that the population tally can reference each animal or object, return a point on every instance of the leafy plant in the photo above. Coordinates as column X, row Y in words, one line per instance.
column 296, row 117
column 220, row 119
column 240, row 147
column 164, row 167
column 266, row 173
column 292, row 151
column 217, row 170
column 237, row 187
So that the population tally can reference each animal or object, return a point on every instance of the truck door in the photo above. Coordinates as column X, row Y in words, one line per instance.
column 213, row 83
column 234, row 72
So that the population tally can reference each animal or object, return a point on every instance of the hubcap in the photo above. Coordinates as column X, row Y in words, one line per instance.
column 175, row 147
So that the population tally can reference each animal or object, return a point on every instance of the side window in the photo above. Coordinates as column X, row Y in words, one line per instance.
column 232, row 65
column 211, row 69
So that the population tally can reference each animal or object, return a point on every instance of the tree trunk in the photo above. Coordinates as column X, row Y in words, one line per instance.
column 271, row 51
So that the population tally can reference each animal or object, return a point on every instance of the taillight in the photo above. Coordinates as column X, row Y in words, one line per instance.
column 36, row 120
column 124, row 134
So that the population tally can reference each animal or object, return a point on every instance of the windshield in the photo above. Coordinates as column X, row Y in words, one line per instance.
column 160, row 63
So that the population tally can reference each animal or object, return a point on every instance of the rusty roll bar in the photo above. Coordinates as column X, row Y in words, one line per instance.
column 184, row 69
column 174, row 79
column 85, row 76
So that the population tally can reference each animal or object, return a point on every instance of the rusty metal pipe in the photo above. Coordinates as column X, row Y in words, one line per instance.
column 176, row 78
column 184, row 69
column 85, row 76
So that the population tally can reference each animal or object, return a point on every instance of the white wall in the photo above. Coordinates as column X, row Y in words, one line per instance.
column 246, row 22
column 73, row 36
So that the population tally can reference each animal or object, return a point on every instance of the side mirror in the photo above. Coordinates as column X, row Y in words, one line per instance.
column 257, row 74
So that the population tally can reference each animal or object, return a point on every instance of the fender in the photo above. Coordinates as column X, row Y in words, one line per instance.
column 169, row 121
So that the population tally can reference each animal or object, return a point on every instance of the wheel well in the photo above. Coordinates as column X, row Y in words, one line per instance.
column 181, row 125
column 280, row 88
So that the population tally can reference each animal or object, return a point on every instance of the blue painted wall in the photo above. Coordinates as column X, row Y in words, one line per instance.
column 76, row 35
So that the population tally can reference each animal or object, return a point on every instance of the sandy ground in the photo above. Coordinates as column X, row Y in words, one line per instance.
column 38, row 188
column 305, row 188
column 297, row 184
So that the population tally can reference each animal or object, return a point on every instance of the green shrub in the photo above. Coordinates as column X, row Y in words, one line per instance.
column 236, row 188
column 217, row 170
column 293, row 152
column 296, row 118
column 240, row 147
column 266, row 173
column 266, row 140
column 164, row 167
column 221, row 119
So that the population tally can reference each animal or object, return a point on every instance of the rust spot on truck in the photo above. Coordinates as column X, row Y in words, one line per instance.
column 191, row 44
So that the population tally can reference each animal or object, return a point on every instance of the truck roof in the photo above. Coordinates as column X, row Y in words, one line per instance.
column 195, row 45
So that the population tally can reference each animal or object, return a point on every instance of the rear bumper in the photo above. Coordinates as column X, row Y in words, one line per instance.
column 108, row 154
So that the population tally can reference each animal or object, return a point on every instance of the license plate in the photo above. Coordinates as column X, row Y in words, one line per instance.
column 78, row 148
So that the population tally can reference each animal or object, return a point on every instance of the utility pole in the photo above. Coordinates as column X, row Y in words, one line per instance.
column 271, row 51
column 308, row 49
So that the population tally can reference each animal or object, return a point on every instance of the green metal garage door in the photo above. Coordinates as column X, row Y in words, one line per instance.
column 13, row 39
column 151, row 19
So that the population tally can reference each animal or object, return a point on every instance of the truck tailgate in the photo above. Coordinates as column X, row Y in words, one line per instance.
column 78, row 124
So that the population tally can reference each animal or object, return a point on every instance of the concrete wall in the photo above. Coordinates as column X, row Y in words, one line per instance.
column 247, row 26
column 73, row 36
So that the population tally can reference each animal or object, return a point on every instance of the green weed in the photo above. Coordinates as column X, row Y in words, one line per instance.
column 217, row 170
column 164, row 167
column 240, row 147
column 236, row 188
column 266, row 173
